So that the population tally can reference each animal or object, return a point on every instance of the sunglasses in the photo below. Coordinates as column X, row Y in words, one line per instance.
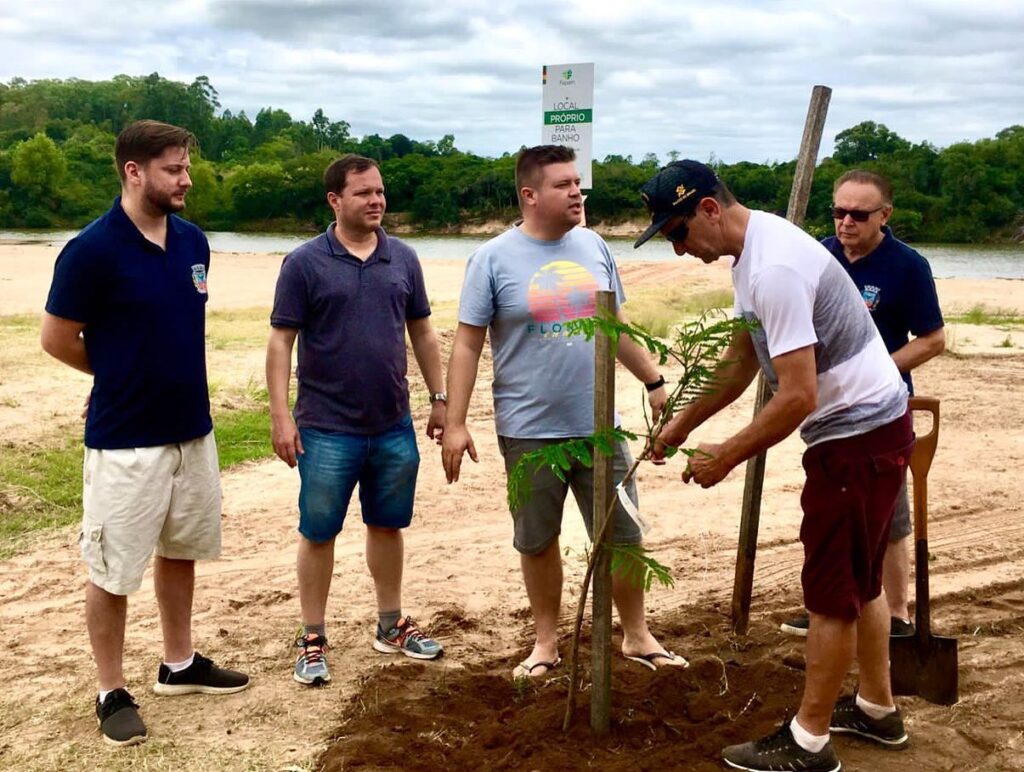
column 857, row 215
column 678, row 234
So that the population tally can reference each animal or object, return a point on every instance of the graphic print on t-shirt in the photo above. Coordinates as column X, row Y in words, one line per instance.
column 559, row 291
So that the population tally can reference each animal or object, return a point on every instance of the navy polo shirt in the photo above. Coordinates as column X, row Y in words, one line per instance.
column 897, row 286
column 144, row 311
column 351, row 316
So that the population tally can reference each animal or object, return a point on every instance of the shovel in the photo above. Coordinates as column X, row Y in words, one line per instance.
column 923, row 664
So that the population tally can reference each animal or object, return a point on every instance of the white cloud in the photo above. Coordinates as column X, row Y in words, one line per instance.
column 731, row 79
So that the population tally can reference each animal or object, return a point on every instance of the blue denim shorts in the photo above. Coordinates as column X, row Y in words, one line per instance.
column 384, row 465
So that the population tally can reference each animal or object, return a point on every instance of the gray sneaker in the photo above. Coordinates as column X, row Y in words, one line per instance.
column 311, row 666
column 780, row 752
column 407, row 638
column 888, row 731
column 119, row 719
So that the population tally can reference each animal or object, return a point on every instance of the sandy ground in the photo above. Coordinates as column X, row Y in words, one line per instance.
column 460, row 563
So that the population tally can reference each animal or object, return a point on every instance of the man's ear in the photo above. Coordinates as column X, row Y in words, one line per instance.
column 886, row 213
column 527, row 195
column 132, row 172
column 710, row 207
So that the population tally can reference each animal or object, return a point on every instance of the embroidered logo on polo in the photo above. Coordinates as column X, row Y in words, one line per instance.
column 560, row 291
column 199, row 278
column 872, row 296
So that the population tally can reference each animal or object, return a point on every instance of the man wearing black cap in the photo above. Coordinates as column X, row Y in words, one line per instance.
column 833, row 379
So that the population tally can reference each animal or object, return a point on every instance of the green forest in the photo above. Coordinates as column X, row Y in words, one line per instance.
column 264, row 173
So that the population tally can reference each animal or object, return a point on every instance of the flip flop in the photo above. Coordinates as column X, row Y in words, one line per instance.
column 647, row 660
column 524, row 670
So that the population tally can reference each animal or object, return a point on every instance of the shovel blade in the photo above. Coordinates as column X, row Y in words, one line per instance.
column 926, row 667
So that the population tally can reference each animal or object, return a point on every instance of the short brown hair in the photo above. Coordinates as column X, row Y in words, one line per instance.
column 143, row 141
column 532, row 160
column 334, row 177
column 863, row 177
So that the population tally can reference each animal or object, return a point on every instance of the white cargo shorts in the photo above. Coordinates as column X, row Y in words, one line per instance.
column 165, row 497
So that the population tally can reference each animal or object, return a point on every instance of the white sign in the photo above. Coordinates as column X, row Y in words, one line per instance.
column 568, row 105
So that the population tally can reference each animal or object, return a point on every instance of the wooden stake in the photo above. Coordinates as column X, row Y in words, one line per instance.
column 750, row 517
column 601, row 634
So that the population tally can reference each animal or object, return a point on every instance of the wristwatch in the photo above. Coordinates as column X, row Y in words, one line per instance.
column 655, row 385
column 438, row 396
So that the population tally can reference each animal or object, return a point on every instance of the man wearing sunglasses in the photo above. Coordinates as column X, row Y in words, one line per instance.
column 898, row 289
column 833, row 379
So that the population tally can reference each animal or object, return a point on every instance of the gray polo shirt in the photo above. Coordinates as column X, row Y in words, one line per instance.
column 351, row 316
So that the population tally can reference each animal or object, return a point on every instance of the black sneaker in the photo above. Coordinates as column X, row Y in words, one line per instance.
column 119, row 719
column 202, row 677
column 797, row 626
column 899, row 628
column 780, row 752
column 850, row 719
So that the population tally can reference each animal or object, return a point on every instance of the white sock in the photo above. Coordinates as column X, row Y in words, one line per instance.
column 809, row 742
column 177, row 667
column 103, row 694
column 875, row 711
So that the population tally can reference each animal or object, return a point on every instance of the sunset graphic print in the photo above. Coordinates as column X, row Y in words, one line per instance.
column 560, row 291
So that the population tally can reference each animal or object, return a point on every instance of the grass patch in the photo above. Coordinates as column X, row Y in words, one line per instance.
column 244, row 328
column 444, row 315
column 657, row 310
column 41, row 487
column 982, row 315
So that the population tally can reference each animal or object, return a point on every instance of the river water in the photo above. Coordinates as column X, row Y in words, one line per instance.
column 975, row 261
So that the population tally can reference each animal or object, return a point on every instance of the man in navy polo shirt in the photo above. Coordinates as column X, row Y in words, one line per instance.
column 127, row 306
column 349, row 296
column 897, row 286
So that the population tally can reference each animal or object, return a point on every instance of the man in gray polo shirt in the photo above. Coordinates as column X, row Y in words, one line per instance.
column 349, row 295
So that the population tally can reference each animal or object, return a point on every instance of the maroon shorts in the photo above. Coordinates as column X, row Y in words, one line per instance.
column 848, row 500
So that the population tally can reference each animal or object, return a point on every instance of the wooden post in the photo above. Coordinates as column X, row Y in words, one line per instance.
column 750, row 517
column 601, row 635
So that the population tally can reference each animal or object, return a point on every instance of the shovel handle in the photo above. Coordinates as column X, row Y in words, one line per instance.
column 920, row 462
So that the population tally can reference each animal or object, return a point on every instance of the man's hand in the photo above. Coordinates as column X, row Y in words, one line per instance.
column 707, row 467
column 85, row 405
column 455, row 442
column 657, row 400
column 669, row 436
column 286, row 440
column 435, row 424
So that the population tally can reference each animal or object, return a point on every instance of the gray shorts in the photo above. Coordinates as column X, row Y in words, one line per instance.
column 901, row 526
column 538, row 522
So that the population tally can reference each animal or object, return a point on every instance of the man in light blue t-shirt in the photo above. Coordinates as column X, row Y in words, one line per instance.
column 523, row 286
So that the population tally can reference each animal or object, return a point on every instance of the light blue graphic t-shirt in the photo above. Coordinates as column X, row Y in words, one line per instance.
column 524, row 290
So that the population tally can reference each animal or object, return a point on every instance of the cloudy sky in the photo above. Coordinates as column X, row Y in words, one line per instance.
column 728, row 78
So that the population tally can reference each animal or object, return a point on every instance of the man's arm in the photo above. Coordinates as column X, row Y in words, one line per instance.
column 795, row 399
column 428, row 357
column 62, row 339
column 919, row 350
column 462, row 368
column 283, row 432
column 734, row 373
column 639, row 362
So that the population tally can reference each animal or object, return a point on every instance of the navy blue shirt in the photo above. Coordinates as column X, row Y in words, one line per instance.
column 351, row 316
column 144, row 311
column 897, row 286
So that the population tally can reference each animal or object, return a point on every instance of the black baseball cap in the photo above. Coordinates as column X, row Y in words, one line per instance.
column 675, row 190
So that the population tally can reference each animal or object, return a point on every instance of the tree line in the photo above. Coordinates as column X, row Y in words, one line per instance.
column 264, row 173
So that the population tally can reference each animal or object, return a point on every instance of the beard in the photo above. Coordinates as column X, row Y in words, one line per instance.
column 162, row 201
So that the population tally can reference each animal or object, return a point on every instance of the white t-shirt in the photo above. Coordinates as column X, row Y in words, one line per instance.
column 800, row 296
